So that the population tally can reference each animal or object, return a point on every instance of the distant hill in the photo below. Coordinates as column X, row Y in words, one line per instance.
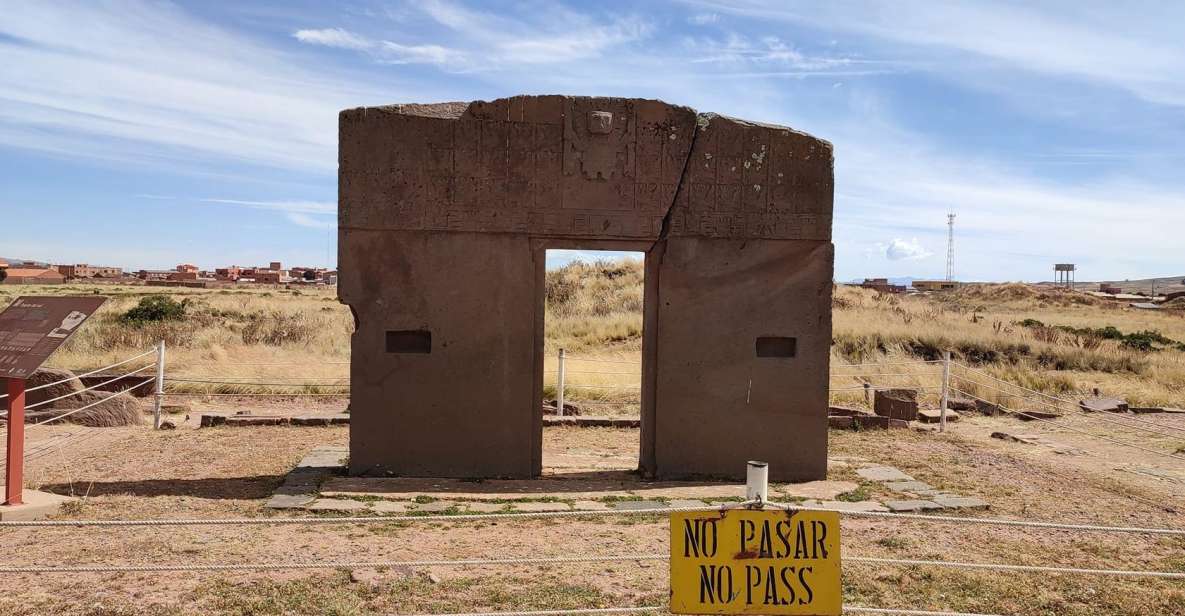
column 13, row 261
column 1168, row 284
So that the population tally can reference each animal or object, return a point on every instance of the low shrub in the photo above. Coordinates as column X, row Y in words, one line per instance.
column 156, row 308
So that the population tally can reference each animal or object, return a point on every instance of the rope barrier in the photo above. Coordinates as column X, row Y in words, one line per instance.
column 85, row 374
column 95, row 403
column 546, row 515
column 553, row 560
column 171, row 379
column 1169, row 575
column 91, row 388
column 847, row 609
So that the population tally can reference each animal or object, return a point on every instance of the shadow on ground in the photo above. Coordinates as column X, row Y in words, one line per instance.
column 259, row 486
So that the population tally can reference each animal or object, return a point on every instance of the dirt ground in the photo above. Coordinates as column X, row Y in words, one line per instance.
column 135, row 473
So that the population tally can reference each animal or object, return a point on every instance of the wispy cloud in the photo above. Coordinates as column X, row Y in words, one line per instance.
column 1141, row 51
column 298, row 207
column 487, row 41
column 332, row 37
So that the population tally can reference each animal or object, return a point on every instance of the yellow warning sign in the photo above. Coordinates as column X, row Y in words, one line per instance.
column 743, row 561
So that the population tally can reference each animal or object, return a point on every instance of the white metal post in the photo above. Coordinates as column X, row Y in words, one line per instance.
column 945, row 391
column 160, row 384
column 559, row 386
column 757, row 482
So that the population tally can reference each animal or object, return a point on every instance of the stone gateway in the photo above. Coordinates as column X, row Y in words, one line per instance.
column 446, row 212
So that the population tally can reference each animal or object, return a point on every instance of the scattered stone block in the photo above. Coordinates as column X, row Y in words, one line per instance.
column 590, row 421
column 1016, row 438
column 1144, row 410
column 210, row 420
column 961, row 404
column 1104, row 405
column 883, row 473
column 639, row 505
column 908, row 486
column 896, row 403
column 255, row 420
column 935, row 415
column 846, row 411
column 877, row 422
column 839, row 422
column 987, row 408
column 960, row 502
column 321, row 420
column 168, row 425
column 906, row 506
column 336, row 504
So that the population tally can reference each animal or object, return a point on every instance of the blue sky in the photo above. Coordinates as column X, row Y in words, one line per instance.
column 148, row 134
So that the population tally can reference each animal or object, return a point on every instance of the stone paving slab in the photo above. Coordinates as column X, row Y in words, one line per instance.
column 541, row 507
column 883, row 473
column 906, row 506
column 590, row 505
column 336, row 504
column 408, row 488
column 908, row 486
column 389, row 507
column 868, row 505
column 822, row 490
column 639, row 505
column 682, row 503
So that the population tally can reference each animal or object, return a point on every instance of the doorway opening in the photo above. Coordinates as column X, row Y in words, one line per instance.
column 592, row 358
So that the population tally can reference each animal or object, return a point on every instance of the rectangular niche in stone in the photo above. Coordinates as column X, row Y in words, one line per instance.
column 409, row 341
column 777, row 346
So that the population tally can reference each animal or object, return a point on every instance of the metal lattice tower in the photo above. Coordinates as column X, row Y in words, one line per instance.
column 950, row 247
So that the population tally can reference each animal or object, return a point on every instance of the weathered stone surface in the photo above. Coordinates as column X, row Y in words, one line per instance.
column 1105, row 405
column 1016, row 438
column 896, row 403
column 839, row 422
column 321, row 420
column 1142, row 410
column 445, row 211
column 935, row 416
column 906, row 506
column 37, row 505
column 290, row 501
column 685, row 502
column 436, row 507
column 960, row 502
column 883, row 473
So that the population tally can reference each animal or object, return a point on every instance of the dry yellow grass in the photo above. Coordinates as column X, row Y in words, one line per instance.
column 594, row 311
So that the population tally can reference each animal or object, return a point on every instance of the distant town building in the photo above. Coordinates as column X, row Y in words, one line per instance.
column 935, row 285
column 232, row 273
column 32, row 275
column 881, row 285
column 1112, row 289
column 187, row 268
column 83, row 270
column 275, row 266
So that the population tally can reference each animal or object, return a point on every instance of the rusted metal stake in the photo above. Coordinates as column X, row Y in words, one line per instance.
column 14, row 473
